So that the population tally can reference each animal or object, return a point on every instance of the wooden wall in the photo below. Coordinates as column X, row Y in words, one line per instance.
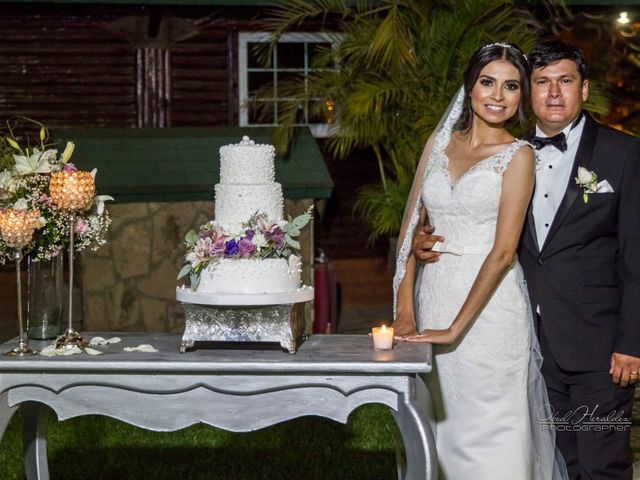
column 74, row 65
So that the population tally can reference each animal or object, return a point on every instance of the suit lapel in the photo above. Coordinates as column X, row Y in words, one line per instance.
column 583, row 158
column 530, row 235
column 531, row 224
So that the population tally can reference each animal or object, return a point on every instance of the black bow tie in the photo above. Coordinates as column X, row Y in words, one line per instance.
column 559, row 141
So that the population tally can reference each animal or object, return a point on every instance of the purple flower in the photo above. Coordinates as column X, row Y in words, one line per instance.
column 69, row 167
column 246, row 247
column 217, row 247
column 276, row 236
column 231, row 248
column 250, row 233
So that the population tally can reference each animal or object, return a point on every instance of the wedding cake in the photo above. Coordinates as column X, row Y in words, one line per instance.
column 247, row 247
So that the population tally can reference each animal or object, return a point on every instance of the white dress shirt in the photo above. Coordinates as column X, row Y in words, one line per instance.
column 553, row 170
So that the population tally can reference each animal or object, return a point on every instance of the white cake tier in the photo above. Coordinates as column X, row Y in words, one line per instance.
column 246, row 162
column 251, row 275
column 235, row 204
column 302, row 294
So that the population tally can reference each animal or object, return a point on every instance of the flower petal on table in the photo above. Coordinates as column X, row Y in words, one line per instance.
column 49, row 351
column 144, row 347
column 96, row 341
column 92, row 351
column 52, row 351
column 68, row 351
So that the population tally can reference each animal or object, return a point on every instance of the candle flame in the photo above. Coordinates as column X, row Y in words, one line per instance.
column 383, row 328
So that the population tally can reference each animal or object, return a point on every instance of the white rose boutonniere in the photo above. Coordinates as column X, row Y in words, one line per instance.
column 588, row 180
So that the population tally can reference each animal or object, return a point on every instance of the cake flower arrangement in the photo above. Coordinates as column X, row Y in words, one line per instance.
column 25, row 172
column 257, row 238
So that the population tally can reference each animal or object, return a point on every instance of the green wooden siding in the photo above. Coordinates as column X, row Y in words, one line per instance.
column 175, row 164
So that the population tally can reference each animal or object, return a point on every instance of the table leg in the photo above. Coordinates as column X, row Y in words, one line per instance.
column 413, row 422
column 6, row 412
column 34, row 440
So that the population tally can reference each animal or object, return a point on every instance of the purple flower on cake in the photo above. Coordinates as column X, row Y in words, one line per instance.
column 217, row 247
column 250, row 233
column 276, row 236
column 246, row 248
column 69, row 167
column 231, row 248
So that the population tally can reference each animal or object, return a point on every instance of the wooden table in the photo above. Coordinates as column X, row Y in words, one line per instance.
column 235, row 389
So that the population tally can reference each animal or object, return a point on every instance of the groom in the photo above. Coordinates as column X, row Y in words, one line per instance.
column 580, row 251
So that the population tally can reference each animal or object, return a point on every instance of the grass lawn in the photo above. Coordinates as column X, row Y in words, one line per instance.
column 306, row 448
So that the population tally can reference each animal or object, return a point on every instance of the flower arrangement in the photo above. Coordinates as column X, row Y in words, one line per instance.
column 25, row 172
column 256, row 238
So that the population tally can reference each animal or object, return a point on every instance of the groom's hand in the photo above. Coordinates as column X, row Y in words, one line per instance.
column 624, row 369
column 422, row 243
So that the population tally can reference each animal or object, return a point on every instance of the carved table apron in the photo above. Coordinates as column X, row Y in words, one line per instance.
column 237, row 390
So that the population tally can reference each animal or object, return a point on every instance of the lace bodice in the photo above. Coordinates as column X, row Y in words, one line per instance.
column 465, row 211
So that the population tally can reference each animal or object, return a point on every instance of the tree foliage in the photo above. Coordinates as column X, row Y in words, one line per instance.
column 399, row 64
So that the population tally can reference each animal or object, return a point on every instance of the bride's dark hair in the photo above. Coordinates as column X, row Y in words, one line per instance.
column 480, row 59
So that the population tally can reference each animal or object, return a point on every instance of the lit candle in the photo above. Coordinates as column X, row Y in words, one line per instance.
column 71, row 190
column 382, row 338
column 17, row 226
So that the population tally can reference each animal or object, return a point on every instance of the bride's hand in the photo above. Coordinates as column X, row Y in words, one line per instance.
column 446, row 336
column 404, row 325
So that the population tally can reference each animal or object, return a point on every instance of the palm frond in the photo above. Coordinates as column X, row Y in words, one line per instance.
column 400, row 62
column 599, row 98
column 391, row 46
column 379, row 207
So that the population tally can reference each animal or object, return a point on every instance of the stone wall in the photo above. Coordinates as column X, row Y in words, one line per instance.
column 129, row 283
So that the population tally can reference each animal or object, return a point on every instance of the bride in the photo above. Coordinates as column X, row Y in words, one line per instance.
column 474, row 183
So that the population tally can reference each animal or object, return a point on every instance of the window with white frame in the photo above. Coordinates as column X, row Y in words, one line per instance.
column 292, row 56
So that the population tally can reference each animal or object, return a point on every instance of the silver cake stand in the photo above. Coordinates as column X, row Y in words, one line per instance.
column 226, row 317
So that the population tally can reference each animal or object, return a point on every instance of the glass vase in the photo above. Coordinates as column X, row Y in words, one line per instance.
column 45, row 287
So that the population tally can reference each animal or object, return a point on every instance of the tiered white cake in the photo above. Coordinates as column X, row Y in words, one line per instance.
column 247, row 187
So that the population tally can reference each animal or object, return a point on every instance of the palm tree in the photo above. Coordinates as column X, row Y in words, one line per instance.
column 400, row 62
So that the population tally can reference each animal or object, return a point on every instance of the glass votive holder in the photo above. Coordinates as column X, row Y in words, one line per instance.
column 382, row 338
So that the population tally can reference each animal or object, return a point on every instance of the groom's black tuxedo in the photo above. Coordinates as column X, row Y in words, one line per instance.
column 585, row 279
column 585, row 283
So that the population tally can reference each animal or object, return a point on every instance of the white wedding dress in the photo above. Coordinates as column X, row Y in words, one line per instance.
column 479, row 384
column 490, row 399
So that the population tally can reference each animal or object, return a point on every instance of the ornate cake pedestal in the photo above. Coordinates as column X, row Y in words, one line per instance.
column 264, row 317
